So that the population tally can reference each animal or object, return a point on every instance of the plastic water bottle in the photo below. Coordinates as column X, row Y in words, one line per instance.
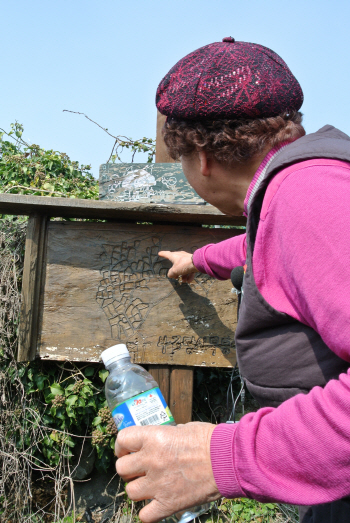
column 134, row 398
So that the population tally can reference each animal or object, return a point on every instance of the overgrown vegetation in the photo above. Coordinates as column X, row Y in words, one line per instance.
column 29, row 169
column 50, row 410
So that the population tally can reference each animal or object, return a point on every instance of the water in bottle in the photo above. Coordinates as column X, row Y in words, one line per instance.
column 134, row 398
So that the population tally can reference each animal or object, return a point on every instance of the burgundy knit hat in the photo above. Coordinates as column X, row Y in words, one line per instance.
column 229, row 79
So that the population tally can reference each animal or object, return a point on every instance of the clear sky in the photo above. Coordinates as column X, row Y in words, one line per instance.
column 106, row 59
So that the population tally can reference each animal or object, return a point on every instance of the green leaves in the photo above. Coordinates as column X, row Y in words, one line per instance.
column 97, row 421
column 56, row 389
column 103, row 373
column 246, row 510
column 55, row 436
column 49, row 187
column 40, row 381
column 63, row 398
column 71, row 400
column 28, row 169
column 89, row 371
column 144, row 145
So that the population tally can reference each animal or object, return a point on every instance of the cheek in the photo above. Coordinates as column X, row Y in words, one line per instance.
column 192, row 173
column 191, row 179
column 188, row 173
column 194, row 184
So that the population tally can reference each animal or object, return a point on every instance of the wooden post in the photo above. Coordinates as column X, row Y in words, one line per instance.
column 161, row 373
column 180, row 380
column 33, row 262
column 181, row 394
column 162, row 155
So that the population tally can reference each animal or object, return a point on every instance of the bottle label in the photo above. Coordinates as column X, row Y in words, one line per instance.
column 147, row 408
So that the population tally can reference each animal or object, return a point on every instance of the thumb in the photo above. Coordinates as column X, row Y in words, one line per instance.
column 188, row 278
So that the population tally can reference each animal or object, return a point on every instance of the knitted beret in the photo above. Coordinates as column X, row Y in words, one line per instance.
column 229, row 79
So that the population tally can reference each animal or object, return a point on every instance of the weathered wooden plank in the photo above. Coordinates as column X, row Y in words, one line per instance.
column 105, row 284
column 162, row 155
column 181, row 394
column 93, row 209
column 146, row 183
column 161, row 373
column 33, row 262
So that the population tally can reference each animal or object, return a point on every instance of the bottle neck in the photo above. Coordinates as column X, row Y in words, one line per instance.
column 119, row 363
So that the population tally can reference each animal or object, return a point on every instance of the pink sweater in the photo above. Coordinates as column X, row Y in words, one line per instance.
column 300, row 452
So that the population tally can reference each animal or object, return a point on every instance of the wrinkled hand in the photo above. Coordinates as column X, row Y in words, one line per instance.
column 182, row 265
column 169, row 465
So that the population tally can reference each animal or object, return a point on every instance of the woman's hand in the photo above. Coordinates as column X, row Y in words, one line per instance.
column 169, row 465
column 182, row 265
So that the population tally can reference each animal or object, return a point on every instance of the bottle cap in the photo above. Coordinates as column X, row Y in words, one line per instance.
column 114, row 353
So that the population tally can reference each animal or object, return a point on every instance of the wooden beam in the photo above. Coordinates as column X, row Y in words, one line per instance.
column 162, row 155
column 120, row 211
column 31, row 288
column 181, row 394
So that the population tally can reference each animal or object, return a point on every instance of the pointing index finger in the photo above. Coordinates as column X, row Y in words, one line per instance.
column 165, row 254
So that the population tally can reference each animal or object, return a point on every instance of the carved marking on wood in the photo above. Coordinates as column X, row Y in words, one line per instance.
column 105, row 284
column 122, row 292
column 195, row 345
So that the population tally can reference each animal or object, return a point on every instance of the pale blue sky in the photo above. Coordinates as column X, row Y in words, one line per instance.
column 106, row 59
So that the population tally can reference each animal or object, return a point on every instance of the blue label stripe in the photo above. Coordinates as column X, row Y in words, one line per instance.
column 123, row 417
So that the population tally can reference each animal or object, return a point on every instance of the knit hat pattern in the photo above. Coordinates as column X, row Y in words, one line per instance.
column 231, row 80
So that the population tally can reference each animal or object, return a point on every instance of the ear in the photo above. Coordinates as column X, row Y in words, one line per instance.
column 205, row 163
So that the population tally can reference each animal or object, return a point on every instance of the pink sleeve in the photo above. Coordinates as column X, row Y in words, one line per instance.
column 218, row 259
column 300, row 452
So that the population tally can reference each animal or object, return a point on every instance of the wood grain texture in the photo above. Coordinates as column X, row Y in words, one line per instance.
column 162, row 155
column 146, row 183
column 181, row 394
column 32, row 270
column 105, row 284
column 93, row 209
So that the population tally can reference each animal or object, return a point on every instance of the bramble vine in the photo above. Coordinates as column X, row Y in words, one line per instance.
column 143, row 145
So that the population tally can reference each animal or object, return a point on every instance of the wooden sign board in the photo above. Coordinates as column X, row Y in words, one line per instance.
column 146, row 183
column 104, row 283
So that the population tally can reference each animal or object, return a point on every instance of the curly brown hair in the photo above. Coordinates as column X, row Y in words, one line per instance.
column 231, row 141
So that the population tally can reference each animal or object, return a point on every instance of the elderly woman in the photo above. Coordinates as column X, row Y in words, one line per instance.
column 233, row 120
